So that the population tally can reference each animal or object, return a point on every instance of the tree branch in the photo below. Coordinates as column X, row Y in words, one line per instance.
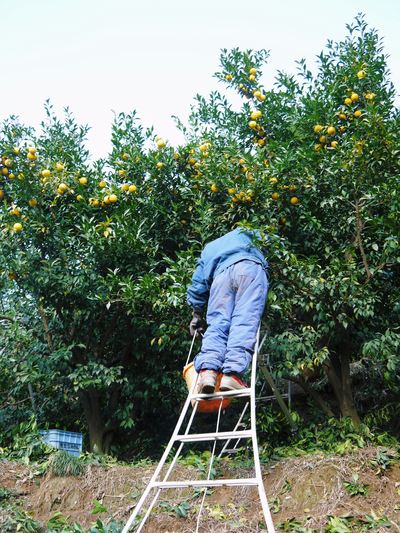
column 358, row 240
column 46, row 328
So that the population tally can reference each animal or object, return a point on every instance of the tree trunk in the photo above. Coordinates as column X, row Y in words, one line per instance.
column 339, row 378
column 91, row 403
column 347, row 406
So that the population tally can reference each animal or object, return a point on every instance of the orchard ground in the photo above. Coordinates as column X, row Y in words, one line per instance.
column 308, row 492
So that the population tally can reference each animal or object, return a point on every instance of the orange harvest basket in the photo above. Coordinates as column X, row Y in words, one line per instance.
column 205, row 406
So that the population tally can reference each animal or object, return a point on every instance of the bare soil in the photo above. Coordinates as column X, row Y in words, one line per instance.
column 308, row 489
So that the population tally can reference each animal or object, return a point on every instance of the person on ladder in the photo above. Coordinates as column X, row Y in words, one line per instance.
column 231, row 281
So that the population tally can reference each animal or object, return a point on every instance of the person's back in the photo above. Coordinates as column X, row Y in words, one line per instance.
column 220, row 254
column 231, row 277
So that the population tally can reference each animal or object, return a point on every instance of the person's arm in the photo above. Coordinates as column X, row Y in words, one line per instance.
column 198, row 290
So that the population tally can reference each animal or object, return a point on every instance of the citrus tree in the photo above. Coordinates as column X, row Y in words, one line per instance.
column 314, row 163
column 79, row 241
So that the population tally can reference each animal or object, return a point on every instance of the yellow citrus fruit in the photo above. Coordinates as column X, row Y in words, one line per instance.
column 262, row 97
column 125, row 156
column 16, row 211
column 322, row 139
column 275, row 196
column 369, row 95
column 160, row 165
column 256, row 114
column 96, row 202
column 294, row 200
column 161, row 144
column 252, row 77
column 106, row 199
column 31, row 156
column 83, row 180
column 331, row 130
column 261, row 142
column 4, row 171
column 8, row 162
column 46, row 173
column 361, row 74
column 253, row 71
column 16, row 150
column 257, row 93
column 62, row 188
column 231, row 190
column 354, row 97
column 113, row 198
column 342, row 116
column 59, row 167
column 33, row 202
column 334, row 144
column 204, row 147
column 1, row 194
column 32, row 150
column 214, row 187
column 348, row 101
column 79, row 198
column 102, row 184
column 125, row 186
column 132, row 188
column 342, row 129
column 317, row 147
column 318, row 128
column 17, row 227
column 11, row 176
column 229, row 77
column 252, row 124
column 292, row 188
column 242, row 161
column 273, row 180
column 357, row 113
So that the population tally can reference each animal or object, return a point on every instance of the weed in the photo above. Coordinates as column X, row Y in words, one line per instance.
column 275, row 505
column 181, row 509
column 63, row 463
column 383, row 461
column 294, row 526
column 5, row 494
column 98, row 507
column 354, row 488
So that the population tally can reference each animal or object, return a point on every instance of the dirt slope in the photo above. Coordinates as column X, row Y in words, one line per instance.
column 308, row 489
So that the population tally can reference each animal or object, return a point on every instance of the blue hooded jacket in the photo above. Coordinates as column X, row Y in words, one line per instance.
column 218, row 255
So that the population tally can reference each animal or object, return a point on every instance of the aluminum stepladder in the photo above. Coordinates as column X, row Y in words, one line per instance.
column 157, row 485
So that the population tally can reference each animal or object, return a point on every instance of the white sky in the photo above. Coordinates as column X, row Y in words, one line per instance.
column 100, row 56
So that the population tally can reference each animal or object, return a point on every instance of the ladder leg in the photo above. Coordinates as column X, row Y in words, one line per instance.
column 257, row 467
column 170, row 468
column 164, row 457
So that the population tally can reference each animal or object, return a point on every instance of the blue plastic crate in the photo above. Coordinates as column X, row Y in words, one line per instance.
column 70, row 441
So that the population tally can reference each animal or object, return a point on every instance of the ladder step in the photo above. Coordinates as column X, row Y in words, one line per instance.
column 221, row 435
column 205, row 483
column 222, row 394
